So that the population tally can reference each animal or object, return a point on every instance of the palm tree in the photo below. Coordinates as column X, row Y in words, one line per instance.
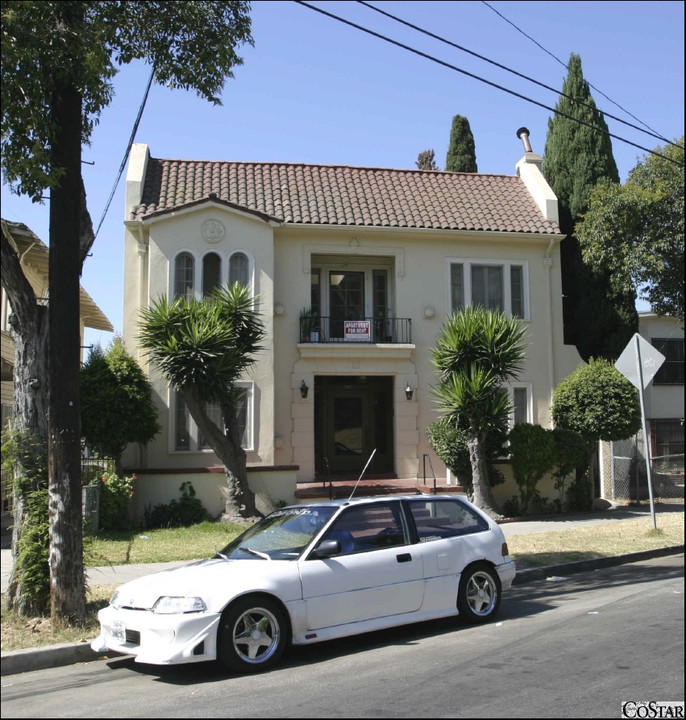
column 476, row 351
column 202, row 347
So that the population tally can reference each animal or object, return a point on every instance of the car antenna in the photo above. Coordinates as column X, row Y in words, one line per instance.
column 362, row 473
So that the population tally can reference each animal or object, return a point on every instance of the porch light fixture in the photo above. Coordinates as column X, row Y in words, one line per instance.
column 303, row 390
column 408, row 392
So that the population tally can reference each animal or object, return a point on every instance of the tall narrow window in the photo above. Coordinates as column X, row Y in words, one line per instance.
column 520, row 405
column 517, row 290
column 456, row 286
column 239, row 269
column 182, row 435
column 211, row 273
column 487, row 286
column 184, row 269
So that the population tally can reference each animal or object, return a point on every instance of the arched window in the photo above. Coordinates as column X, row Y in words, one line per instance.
column 211, row 273
column 239, row 269
column 184, row 270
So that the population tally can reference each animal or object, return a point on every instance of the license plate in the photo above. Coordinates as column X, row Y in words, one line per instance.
column 118, row 631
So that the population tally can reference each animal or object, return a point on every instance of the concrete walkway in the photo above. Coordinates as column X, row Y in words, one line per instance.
column 56, row 655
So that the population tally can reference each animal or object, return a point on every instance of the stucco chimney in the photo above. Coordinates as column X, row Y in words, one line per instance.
column 530, row 169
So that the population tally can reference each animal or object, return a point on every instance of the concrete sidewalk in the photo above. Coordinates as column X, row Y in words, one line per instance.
column 18, row 661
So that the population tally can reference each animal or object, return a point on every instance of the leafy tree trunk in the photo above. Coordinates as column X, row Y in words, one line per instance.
column 483, row 497
column 30, row 364
column 67, row 582
column 29, row 330
column 240, row 499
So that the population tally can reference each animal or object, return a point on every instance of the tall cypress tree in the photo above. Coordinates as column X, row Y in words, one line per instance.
column 599, row 317
column 461, row 155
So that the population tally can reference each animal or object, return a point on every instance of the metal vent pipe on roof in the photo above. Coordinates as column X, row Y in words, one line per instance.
column 523, row 135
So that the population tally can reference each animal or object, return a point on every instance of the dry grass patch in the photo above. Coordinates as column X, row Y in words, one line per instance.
column 584, row 543
column 19, row 632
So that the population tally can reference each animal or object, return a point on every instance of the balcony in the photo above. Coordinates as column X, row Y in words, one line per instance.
column 365, row 330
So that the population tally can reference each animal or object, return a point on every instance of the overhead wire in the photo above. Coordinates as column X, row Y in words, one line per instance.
column 450, row 66
column 132, row 137
column 518, row 74
column 564, row 65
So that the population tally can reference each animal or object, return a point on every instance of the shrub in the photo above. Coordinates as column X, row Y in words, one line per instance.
column 115, row 496
column 533, row 454
column 177, row 513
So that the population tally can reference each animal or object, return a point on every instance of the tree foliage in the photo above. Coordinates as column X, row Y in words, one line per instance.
column 116, row 406
column 476, row 351
column 191, row 46
column 636, row 230
column 202, row 348
column 461, row 156
column 426, row 160
column 597, row 402
column 599, row 316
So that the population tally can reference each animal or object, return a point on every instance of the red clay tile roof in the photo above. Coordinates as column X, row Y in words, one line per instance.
column 341, row 195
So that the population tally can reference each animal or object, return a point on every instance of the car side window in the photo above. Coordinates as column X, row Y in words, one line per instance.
column 436, row 519
column 369, row 527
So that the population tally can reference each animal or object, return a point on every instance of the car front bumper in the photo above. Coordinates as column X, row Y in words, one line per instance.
column 164, row 639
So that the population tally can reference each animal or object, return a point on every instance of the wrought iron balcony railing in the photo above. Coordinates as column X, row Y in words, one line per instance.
column 365, row 330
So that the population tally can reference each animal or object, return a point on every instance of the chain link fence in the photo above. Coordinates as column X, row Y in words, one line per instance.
column 625, row 476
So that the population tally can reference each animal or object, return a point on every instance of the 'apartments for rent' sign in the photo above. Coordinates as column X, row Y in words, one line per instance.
column 357, row 330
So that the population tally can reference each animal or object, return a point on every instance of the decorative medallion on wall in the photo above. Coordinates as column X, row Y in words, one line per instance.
column 213, row 231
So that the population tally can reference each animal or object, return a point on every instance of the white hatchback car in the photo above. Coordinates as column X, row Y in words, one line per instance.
column 314, row 572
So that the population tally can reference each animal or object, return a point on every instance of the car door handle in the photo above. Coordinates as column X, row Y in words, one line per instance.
column 404, row 557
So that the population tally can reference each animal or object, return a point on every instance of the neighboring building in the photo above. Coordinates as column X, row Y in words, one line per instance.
column 379, row 258
column 34, row 255
column 624, row 474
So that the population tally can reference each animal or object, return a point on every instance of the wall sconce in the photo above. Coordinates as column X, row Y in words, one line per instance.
column 408, row 392
column 303, row 390
column 278, row 309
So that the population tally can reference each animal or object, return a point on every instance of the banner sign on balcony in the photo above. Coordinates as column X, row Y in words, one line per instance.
column 357, row 330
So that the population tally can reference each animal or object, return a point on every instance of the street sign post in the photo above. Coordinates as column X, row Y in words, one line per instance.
column 638, row 363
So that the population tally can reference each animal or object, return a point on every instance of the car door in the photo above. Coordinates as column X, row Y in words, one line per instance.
column 377, row 574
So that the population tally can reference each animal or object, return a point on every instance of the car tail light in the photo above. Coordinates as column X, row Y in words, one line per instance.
column 504, row 550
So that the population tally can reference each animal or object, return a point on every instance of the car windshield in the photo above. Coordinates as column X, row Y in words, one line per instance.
column 282, row 535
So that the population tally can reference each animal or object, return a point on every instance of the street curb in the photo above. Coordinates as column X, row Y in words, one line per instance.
column 29, row 659
column 531, row 574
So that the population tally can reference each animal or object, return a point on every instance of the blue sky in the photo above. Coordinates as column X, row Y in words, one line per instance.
column 317, row 91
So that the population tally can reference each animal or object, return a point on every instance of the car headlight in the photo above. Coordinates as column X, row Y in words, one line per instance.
column 171, row 604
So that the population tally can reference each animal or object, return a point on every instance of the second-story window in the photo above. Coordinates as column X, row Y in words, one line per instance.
column 239, row 269
column 672, row 370
column 211, row 273
column 184, row 272
column 493, row 285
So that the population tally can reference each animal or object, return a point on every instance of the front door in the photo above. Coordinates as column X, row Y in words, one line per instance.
column 353, row 416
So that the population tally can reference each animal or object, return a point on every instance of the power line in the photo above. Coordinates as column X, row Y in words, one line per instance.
column 518, row 74
column 480, row 79
column 128, row 149
column 564, row 65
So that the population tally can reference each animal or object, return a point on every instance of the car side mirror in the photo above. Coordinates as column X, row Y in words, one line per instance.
column 326, row 549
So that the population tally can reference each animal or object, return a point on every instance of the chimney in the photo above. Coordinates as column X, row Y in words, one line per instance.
column 530, row 170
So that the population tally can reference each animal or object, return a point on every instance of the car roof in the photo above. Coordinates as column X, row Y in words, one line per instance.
column 344, row 502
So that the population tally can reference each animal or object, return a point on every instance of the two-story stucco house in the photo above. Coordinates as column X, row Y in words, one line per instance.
column 355, row 269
